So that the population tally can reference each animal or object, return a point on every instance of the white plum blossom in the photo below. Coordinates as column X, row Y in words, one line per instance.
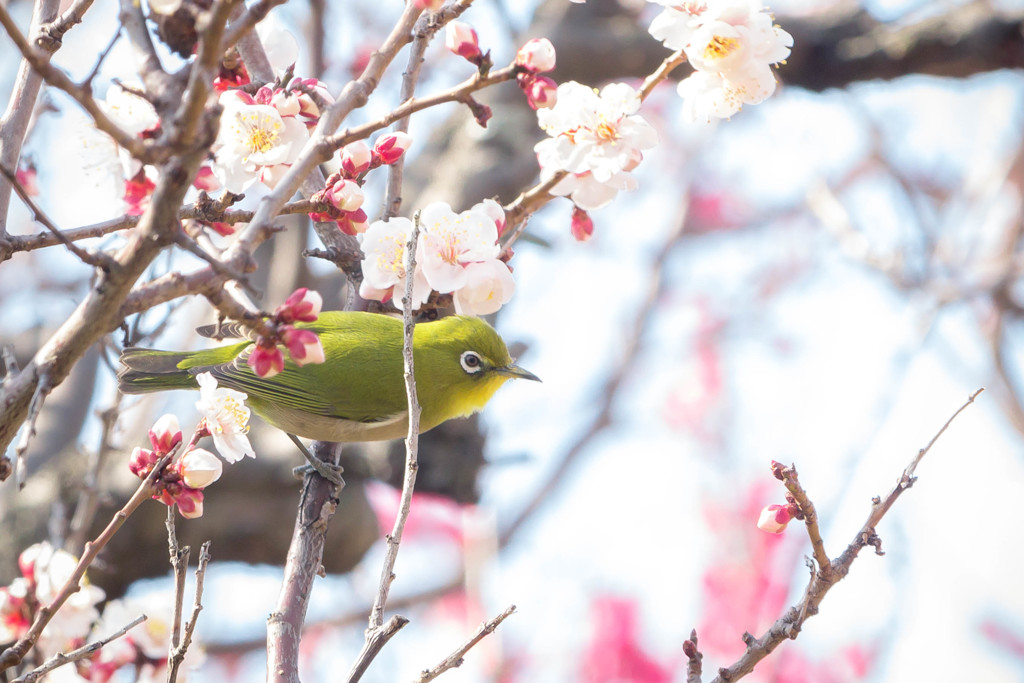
column 489, row 285
column 45, row 570
column 255, row 141
column 732, row 45
column 456, row 253
column 597, row 136
column 449, row 241
column 383, row 246
column 227, row 418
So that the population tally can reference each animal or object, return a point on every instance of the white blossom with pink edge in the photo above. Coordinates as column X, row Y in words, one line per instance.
column 227, row 418
column 595, row 133
column 449, row 241
column 255, row 142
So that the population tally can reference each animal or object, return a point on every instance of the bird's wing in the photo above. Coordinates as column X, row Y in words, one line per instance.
column 347, row 395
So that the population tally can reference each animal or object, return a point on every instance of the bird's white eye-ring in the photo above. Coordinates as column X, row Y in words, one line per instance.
column 471, row 362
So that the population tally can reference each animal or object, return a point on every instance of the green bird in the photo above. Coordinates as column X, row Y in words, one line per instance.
column 358, row 392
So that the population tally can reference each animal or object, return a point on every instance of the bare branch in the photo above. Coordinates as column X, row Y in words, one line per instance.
column 97, row 259
column 88, row 650
column 788, row 626
column 177, row 654
column 378, row 633
column 455, row 659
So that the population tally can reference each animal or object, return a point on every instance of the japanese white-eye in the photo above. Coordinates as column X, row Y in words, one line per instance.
column 358, row 392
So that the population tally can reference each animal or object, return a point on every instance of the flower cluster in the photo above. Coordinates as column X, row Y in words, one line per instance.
column 456, row 253
column 732, row 45
column 266, row 357
column 342, row 198
column 533, row 59
column 597, row 138
column 182, row 480
column 144, row 647
column 44, row 571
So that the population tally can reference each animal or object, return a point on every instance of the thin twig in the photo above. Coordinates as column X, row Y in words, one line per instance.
column 455, row 659
column 35, row 406
column 412, row 438
column 88, row 499
column 788, row 626
column 378, row 633
column 177, row 655
column 789, row 478
column 97, row 259
column 178, row 556
column 60, row 659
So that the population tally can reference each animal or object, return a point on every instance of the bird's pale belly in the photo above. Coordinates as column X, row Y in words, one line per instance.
column 321, row 428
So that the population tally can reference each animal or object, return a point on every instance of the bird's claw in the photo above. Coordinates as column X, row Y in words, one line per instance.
column 328, row 471
column 331, row 473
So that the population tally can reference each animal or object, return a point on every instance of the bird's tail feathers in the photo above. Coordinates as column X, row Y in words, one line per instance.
column 147, row 370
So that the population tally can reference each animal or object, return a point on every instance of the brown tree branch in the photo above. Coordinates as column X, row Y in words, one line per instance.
column 284, row 626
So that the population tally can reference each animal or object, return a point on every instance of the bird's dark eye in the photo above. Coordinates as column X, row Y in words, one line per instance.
column 471, row 362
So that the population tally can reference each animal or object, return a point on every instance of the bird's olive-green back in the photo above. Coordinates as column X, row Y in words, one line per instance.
column 362, row 376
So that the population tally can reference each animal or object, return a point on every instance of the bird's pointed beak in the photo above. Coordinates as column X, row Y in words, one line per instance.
column 517, row 372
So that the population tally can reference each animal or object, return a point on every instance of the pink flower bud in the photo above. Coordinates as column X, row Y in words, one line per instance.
column 301, row 305
column 391, row 146
column 345, row 195
column 541, row 91
column 582, row 226
column 190, row 503
column 266, row 362
column 137, row 191
column 264, row 95
column 774, row 518
column 461, row 39
column 286, row 104
column 200, row 468
column 537, row 56
column 355, row 158
column 141, row 461
column 165, row 434
column 27, row 178
column 303, row 346
column 432, row 5
column 308, row 107
column 206, row 180
column 353, row 222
